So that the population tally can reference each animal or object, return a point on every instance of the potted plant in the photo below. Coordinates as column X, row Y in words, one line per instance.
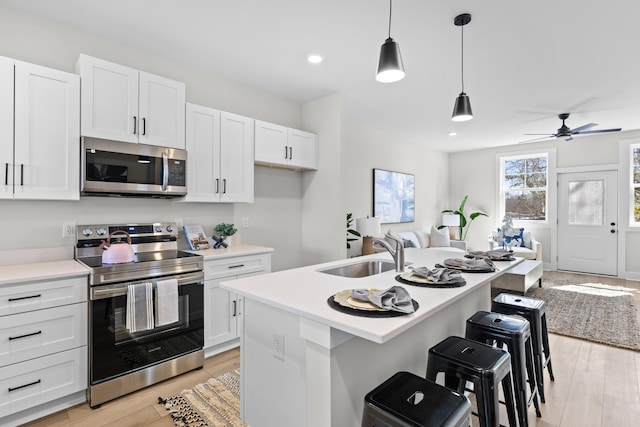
column 223, row 231
column 463, row 219
column 351, row 231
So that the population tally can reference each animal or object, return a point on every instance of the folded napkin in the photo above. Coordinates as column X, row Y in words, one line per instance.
column 439, row 274
column 496, row 254
column 395, row 298
column 469, row 263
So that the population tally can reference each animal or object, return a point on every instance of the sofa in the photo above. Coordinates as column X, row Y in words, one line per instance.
column 526, row 246
column 423, row 239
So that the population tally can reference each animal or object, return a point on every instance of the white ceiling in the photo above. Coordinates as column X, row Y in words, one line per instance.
column 525, row 61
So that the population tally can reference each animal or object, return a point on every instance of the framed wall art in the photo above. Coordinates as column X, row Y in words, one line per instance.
column 393, row 196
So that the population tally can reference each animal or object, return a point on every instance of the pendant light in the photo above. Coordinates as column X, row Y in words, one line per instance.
column 390, row 68
column 462, row 108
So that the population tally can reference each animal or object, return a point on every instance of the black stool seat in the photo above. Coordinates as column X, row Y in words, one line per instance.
column 486, row 367
column 514, row 332
column 533, row 310
column 407, row 400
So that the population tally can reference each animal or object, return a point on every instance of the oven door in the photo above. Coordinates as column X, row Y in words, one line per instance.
column 113, row 167
column 114, row 351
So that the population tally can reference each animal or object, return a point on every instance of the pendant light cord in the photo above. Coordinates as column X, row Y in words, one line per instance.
column 390, row 6
column 462, row 58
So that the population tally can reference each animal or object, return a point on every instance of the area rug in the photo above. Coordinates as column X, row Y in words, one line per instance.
column 595, row 312
column 215, row 403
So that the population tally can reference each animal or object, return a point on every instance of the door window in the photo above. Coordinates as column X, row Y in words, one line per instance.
column 586, row 202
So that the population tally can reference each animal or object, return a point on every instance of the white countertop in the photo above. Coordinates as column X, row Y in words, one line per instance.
column 38, row 271
column 304, row 291
column 232, row 251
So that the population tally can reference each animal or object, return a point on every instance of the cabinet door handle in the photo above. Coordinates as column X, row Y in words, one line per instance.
column 290, row 153
column 217, row 185
column 285, row 152
column 236, row 266
column 25, row 385
column 21, row 298
column 6, row 174
column 224, row 186
column 144, row 126
column 21, row 174
column 25, row 335
column 135, row 125
column 235, row 305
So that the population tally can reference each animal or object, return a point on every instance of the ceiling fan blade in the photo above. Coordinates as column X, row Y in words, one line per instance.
column 548, row 135
column 583, row 127
column 596, row 131
column 536, row 139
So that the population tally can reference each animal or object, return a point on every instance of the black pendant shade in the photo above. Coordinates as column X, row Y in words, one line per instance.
column 462, row 108
column 390, row 67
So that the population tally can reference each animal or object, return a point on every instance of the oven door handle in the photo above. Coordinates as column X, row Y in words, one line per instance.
column 111, row 291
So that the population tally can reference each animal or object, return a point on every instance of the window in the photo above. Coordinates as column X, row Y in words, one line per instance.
column 635, row 183
column 524, row 182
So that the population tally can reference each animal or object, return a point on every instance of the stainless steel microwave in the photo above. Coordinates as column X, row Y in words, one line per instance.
column 126, row 169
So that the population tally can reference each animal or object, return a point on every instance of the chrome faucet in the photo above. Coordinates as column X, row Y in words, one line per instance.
column 397, row 253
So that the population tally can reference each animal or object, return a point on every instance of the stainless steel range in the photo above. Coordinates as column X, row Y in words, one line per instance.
column 124, row 358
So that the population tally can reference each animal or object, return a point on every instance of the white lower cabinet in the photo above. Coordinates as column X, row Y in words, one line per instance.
column 43, row 347
column 28, row 384
column 223, row 309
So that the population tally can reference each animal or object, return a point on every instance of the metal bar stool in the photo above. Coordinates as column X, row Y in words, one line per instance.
column 533, row 310
column 407, row 400
column 463, row 360
column 514, row 332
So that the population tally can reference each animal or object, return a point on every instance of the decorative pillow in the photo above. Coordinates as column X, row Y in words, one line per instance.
column 520, row 238
column 439, row 238
column 526, row 239
column 408, row 243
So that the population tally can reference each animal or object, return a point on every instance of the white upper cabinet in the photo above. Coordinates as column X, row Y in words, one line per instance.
column 220, row 163
column 280, row 146
column 6, row 127
column 124, row 104
column 40, row 156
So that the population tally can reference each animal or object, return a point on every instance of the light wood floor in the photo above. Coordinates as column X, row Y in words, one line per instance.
column 595, row 385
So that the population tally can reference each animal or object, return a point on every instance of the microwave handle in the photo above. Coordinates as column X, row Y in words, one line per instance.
column 165, row 171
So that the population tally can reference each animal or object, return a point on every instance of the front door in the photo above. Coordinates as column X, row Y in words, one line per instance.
column 588, row 222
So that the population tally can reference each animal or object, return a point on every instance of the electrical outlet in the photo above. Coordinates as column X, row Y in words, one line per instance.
column 68, row 229
column 278, row 346
column 245, row 222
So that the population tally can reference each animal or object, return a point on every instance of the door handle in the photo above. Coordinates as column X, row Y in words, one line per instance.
column 285, row 152
column 217, row 185
column 234, row 308
column 144, row 126
column 290, row 153
column 135, row 125
column 613, row 224
column 224, row 186
column 21, row 174
column 165, row 170
column 6, row 174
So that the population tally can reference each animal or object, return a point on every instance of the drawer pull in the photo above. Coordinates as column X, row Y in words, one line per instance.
column 235, row 309
column 25, row 335
column 236, row 266
column 23, row 386
column 21, row 298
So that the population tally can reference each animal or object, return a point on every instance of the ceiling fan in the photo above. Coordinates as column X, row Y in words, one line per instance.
column 565, row 132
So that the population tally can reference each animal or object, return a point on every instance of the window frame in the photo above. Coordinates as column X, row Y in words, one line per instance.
column 502, row 158
column 632, row 186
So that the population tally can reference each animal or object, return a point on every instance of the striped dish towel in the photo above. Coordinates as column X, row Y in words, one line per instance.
column 139, row 307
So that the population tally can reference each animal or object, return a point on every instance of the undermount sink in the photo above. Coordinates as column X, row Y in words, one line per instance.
column 360, row 269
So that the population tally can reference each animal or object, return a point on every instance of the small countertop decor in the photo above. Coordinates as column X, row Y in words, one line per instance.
column 223, row 231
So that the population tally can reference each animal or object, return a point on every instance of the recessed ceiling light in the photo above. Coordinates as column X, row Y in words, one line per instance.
column 314, row 58
column 453, row 133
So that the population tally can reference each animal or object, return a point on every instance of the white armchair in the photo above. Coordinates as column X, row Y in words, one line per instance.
column 532, row 249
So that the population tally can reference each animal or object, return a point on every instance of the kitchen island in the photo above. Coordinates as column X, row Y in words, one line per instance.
column 304, row 363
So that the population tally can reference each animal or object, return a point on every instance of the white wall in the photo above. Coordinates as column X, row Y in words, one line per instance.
column 366, row 149
column 474, row 173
